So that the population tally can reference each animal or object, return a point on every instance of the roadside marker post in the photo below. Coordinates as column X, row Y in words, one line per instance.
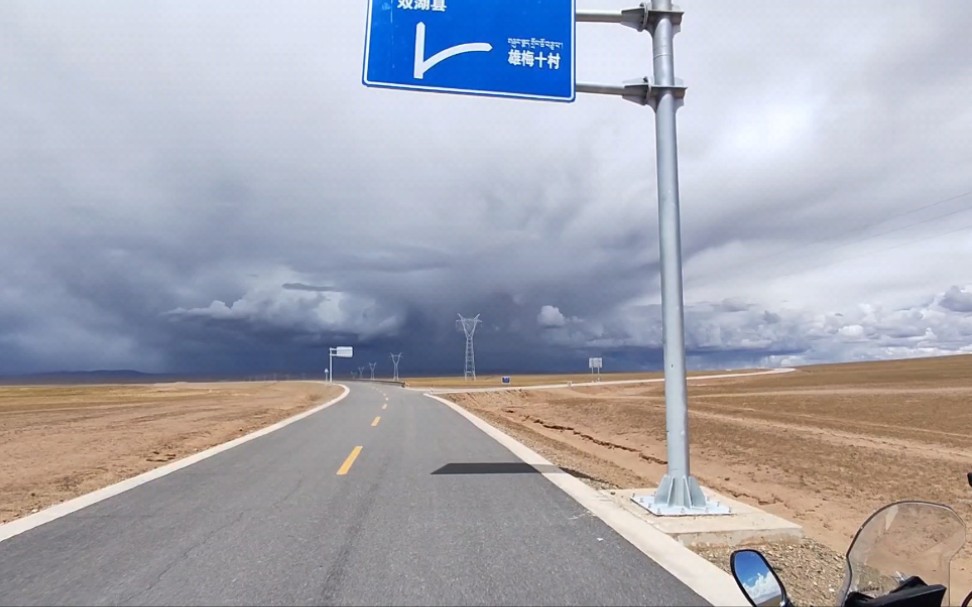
column 595, row 363
column 477, row 47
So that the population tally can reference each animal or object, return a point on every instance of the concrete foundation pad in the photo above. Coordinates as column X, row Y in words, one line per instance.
column 745, row 525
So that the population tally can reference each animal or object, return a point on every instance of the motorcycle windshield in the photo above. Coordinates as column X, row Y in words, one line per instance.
column 901, row 540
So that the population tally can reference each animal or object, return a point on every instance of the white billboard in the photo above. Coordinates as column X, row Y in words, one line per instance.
column 344, row 351
column 594, row 363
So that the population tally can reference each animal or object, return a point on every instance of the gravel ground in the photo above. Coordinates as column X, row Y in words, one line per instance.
column 810, row 572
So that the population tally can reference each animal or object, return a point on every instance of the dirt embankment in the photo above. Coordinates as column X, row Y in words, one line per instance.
column 58, row 442
column 823, row 446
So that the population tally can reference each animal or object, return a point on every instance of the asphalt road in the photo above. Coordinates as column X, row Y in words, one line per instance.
column 430, row 512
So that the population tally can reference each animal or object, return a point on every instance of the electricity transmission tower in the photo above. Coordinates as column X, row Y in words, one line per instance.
column 395, row 358
column 469, row 328
column 361, row 372
column 372, row 365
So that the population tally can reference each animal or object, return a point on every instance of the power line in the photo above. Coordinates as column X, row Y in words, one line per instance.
column 787, row 255
column 964, row 228
column 908, row 225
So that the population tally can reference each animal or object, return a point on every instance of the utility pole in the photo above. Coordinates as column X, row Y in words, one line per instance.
column 395, row 358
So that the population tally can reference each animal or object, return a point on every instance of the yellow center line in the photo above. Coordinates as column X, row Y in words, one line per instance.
column 375, row 423
column 350, row 460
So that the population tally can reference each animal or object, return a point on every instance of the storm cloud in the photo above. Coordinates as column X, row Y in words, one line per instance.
column 208, row 187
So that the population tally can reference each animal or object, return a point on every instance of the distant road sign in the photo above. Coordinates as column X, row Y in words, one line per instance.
column 507, row 48
column 344, row 352
column 594, row 363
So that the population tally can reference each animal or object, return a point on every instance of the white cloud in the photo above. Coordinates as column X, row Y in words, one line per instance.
column 550, row 316
column 957, row 299
column 854, row 332
column 302, row 311
column 784, row 336
column 763, row 588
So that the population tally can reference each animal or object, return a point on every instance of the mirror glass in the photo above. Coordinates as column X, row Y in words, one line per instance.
column 757, row 579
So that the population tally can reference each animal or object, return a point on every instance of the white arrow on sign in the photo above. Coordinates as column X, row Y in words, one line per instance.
column 423, row 65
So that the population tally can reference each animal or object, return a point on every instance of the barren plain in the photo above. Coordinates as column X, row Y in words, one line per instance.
column 496, row 381
column 823, row 446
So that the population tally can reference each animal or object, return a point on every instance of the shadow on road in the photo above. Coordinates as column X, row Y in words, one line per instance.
column 504, row 468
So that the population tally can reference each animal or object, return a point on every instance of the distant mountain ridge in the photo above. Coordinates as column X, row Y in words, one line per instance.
column 120, row 376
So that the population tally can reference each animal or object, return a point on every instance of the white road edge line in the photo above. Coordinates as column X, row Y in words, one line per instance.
column 708, row 581
column 18, row 526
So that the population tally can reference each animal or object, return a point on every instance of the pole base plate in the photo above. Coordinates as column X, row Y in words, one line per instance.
column 680, row 496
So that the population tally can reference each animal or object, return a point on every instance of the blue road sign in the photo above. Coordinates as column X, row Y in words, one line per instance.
column 507, row 48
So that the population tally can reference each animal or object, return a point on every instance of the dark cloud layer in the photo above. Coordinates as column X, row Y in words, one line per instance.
column 208, row 187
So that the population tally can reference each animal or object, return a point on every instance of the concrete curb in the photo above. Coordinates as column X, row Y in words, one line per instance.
column 18, row 526
column 708, row 581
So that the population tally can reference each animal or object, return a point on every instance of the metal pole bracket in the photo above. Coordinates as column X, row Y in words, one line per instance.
column 654, row 15
column 677, row 90
column 645, row 18
column 638, row 18
column 641, row 18
column 638, row 91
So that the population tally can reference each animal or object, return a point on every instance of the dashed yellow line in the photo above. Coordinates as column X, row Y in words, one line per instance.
column 375, row 423
column 349, row 461
column 385, row 406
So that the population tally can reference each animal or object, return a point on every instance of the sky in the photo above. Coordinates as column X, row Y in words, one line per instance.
column 764, row 590
column 208, row 187
column 759, row 583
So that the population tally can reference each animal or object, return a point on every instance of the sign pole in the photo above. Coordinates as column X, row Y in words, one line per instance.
column 678, row 487
column 512, row 48
column 340, row 352
column 679, row 492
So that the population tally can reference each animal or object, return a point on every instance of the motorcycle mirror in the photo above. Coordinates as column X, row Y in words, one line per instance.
column 757, row 579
